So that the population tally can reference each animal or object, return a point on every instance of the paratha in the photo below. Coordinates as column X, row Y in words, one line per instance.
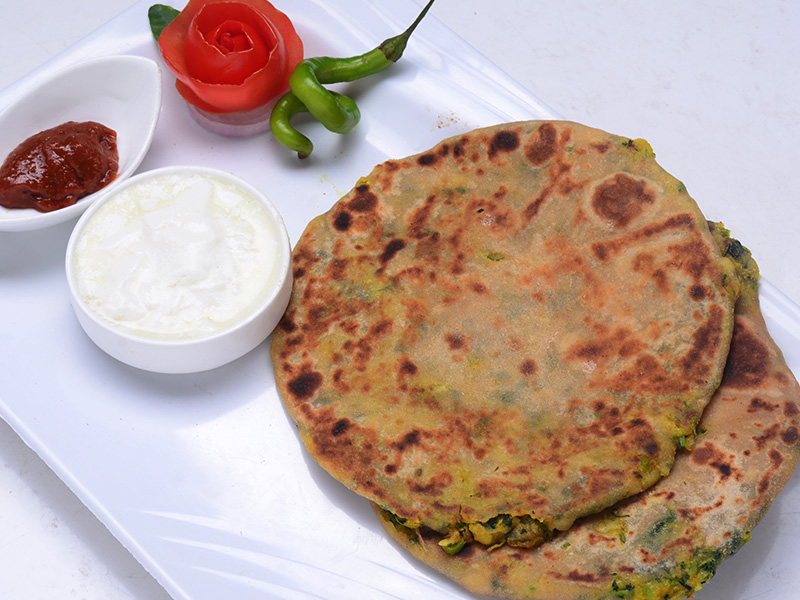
column 507, row 332
column 668, row 541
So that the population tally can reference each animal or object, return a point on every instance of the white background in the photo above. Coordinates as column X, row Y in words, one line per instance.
column 713, row 86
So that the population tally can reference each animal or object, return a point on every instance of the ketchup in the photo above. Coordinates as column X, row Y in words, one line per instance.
column 56, row 167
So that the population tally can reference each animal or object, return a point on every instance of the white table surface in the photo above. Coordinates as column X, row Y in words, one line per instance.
column 714, row 86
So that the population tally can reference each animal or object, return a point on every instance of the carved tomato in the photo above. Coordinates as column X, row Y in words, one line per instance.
column 230, row 56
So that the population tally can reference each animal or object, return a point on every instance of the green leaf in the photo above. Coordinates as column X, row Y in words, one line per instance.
column 160, row 16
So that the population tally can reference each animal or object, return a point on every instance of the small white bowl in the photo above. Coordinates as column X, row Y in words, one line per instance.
column 231, row 260
column 120, row 92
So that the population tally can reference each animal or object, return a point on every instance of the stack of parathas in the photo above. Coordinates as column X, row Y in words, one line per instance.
column 508, row 344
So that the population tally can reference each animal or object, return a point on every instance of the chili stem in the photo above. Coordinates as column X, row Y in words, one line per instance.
column 337, row 70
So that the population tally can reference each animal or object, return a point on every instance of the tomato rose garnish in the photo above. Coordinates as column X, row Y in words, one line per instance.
column 230, row 56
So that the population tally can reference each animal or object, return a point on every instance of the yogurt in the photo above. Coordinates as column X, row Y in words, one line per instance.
column 177, row 256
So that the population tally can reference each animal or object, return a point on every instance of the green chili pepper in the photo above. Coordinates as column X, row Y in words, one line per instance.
column 336, row 112
column 289, row 105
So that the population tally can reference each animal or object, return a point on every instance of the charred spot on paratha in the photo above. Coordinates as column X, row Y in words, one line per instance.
column 542, row 144
column 503, row 141
column 528, row 367
column 748, row 361
column 303, row 386
column 391, row 249
column 342, row 220
column 363, row 200
column 621, row 199
column 708, row 454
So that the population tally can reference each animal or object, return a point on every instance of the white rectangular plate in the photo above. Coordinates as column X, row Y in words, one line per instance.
column 203, row 477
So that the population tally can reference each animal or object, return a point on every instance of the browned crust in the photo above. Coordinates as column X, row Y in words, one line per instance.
column 472, row 327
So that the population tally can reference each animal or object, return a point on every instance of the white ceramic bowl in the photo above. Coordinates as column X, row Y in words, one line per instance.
column 120, row 92
column 100, row 276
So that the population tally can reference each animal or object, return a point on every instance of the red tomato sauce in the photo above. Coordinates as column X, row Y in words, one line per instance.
column 57, row 167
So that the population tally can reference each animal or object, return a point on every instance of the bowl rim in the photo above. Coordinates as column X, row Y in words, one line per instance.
column 30, row 219
column 274, row 294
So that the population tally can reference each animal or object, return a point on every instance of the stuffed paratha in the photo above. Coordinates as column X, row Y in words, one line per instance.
column 668, row 541
column 507, row 332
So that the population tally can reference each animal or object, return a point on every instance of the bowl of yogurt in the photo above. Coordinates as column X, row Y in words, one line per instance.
column 179, row 270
